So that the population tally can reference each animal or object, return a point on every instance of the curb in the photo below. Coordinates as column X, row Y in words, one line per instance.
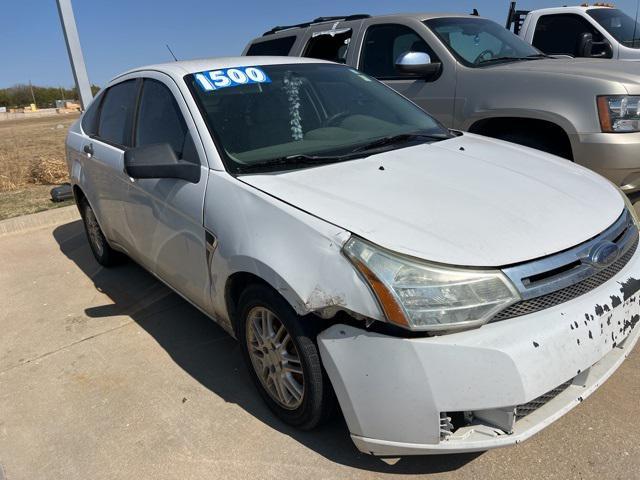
column 33, row 221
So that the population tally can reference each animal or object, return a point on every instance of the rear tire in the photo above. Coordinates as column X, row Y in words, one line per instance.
column 282, row 358
column 102, row 252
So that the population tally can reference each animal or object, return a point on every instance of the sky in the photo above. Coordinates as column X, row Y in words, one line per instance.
column 117, row 35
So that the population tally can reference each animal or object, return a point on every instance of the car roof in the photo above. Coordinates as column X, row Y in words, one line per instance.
column 571, row 8
column 181, row 68
column 331, row 20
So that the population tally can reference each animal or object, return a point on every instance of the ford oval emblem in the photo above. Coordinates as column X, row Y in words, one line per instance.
column 604, row 254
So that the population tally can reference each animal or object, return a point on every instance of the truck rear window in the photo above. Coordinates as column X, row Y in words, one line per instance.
column 277, row 46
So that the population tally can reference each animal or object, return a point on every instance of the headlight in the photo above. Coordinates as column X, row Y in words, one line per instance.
column 619, row 113
column 421, row 296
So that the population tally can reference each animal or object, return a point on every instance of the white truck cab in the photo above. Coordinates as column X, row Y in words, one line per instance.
column 599, row 31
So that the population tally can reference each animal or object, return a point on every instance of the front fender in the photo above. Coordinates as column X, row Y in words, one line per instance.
column 299, row 255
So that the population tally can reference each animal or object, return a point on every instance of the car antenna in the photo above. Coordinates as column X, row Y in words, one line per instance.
column 635, row 26
column 475, row 12
column 171, row 52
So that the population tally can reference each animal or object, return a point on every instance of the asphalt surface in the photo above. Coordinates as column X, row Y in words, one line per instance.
column 106, row 374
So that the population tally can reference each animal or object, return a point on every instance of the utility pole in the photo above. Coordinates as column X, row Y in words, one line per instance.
column 32, row 95
column 75, row 52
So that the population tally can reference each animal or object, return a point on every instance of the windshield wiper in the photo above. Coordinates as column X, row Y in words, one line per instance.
column 401, row 137
column 294, row 160
column 533, row 56
column 499, row 59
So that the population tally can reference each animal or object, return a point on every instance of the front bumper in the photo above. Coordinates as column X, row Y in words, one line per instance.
column 394, row 391
column 613, row 155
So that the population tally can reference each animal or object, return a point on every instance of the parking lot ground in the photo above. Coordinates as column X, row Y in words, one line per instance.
column 106, row 374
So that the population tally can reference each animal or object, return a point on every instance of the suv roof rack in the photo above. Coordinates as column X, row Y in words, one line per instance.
column 316, row 20
column 515, row 18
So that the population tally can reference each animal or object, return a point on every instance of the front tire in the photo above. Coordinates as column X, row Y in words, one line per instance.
column 102, row 252
column 283, row 359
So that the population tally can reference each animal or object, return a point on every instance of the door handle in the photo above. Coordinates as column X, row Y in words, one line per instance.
column 88, row 149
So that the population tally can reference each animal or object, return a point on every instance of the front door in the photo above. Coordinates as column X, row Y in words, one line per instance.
column 164, row 216
column 383, row 43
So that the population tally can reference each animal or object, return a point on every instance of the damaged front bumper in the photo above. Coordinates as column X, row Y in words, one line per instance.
column 485, row 388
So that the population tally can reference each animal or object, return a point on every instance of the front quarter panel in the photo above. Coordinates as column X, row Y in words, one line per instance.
column 297, row 254
column 567, row 100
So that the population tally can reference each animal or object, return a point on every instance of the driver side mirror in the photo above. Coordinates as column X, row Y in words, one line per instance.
column 586, row 44
column 159, row 161
column 417, row 63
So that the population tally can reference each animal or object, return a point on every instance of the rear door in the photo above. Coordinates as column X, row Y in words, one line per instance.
column 382, row 42
column 164, row 217
column 108, row 127
column 331, row 41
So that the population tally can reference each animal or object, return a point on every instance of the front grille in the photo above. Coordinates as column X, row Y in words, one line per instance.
column 524, row 410
column 542, row 302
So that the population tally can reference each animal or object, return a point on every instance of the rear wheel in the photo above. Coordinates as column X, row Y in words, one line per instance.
column 102, row 252
column 283, row 359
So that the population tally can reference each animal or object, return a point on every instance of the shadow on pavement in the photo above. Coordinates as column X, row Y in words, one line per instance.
column 213, row 358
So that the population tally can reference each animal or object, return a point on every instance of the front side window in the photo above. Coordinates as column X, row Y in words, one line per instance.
column 159, row 118
column 620, row 25
column 331, row 45
column 116, row 113
column 383, row 44
column 560, row 34
column 277, row 46
column 303, row 114
column 477, row 42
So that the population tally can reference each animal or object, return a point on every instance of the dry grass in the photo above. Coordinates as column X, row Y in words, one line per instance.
column 35, row 198
column 32, row 158
column 32, row 151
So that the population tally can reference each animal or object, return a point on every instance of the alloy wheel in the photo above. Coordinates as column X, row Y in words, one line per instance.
column 275, row 358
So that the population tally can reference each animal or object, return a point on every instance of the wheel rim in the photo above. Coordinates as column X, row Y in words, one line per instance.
column 275, row 358
column 93, row 231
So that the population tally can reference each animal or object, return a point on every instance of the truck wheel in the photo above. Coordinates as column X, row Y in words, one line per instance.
column 283, row 359
column 102, row 252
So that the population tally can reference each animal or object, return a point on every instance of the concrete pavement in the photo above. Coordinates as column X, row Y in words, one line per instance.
column 106, row 374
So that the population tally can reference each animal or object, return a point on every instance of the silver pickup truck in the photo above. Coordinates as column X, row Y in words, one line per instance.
column 472, row 74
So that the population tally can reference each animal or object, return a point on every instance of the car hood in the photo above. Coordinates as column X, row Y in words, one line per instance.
column 470, row 200
column 603, row 69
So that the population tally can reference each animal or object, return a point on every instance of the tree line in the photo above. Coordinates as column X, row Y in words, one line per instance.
column 20, row 95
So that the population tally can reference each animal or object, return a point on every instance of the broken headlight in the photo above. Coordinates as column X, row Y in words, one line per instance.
column 619, row 113
column 421, row 296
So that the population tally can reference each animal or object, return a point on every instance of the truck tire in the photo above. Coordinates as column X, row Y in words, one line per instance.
column 282, row 358
column 102, row 252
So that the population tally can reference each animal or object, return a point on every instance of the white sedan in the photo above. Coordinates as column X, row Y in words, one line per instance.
column 452, row 292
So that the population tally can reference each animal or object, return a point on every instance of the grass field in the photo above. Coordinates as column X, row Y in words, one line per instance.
column 31, row 163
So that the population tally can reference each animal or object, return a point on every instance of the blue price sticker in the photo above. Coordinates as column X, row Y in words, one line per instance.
column 230, row 77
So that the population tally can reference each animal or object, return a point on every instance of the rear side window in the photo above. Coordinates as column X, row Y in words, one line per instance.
column 277, row 46
column 383, row 44
column 560, row 34
column 90, row 117
column 116, row 113
column 159, row 118
column 332, row 47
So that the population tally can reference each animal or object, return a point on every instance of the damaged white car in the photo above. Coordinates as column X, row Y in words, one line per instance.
column 452, row 292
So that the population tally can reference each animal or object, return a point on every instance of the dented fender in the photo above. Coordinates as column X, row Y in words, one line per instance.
column 296, row 253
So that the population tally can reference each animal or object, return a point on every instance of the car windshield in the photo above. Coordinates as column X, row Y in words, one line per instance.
column 620, row 25
column 291, row 115
column 477, row 42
